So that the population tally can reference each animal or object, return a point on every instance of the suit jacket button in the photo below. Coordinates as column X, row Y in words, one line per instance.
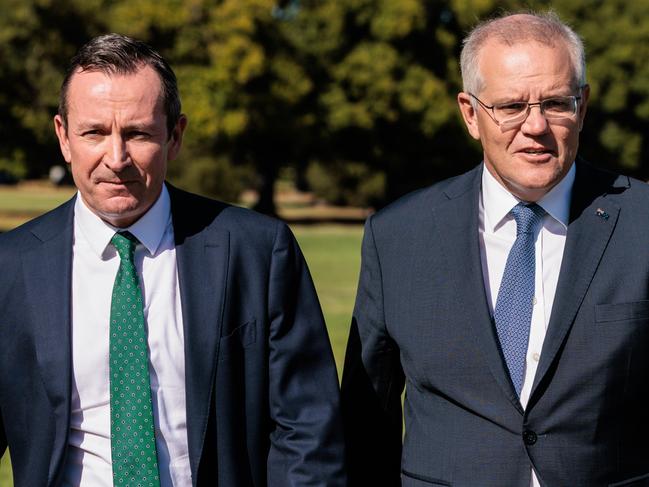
column 529, row 437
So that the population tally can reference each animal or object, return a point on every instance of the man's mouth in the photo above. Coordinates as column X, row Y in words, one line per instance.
column 537, row 151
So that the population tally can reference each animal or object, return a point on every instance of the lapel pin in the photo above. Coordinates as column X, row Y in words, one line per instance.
column 601, row 213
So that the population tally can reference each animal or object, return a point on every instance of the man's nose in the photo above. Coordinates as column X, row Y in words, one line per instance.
column 117, row 156
column 535, row 122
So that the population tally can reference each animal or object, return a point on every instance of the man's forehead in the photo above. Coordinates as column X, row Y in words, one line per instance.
column 520, row 54
column 94, row 94
column 98, row 75
column 496, row 45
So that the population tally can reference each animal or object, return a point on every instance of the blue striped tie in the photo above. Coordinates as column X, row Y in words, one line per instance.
column 513, row 313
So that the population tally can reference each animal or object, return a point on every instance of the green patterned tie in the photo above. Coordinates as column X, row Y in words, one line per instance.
column 135, row 463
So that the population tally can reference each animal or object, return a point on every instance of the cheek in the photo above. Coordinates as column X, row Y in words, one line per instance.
column 568, row 142
column 499, row 143
column 152, row 164
column 84, row 158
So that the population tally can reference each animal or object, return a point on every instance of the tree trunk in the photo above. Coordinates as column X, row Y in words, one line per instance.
column 266, row 202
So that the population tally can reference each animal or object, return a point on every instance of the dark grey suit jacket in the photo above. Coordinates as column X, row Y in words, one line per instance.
column 261, row 386
column 422, row 319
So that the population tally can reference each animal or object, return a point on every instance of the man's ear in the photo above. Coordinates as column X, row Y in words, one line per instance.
column 176, row 138
column 469, row 114
column 62, row 135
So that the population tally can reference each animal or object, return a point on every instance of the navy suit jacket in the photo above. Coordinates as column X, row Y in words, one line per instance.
column 261, row 386
column 422, row 319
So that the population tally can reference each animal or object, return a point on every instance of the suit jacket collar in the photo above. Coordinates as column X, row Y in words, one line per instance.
column 457, row 218
column 594, row 212
column 47, row 267
column 202, row 252
column 589, row 231
column 202, row 249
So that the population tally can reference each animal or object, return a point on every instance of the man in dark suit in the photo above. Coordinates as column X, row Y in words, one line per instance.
column 512, row 301
column 137, row 311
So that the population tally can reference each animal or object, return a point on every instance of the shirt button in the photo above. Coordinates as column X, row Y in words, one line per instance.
column 529, row 437
column 536, row 357
column 534, row 300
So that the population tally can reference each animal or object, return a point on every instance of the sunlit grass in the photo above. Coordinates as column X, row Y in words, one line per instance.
column 333, row 255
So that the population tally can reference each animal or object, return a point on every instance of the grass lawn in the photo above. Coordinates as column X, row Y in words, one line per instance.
column 21, row 203
column 332, row 253
column 5, row 472
column 333, row 256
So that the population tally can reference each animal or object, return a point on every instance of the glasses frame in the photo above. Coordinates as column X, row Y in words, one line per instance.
column 490, row 110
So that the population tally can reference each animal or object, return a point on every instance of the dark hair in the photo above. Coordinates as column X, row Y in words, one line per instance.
column 119, row 54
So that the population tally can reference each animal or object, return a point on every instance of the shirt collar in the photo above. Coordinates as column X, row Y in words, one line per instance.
column 498, row 202
column 148, row 229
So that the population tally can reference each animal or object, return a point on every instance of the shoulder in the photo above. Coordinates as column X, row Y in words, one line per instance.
column 40, row 229
column 623, row 190
column 409, row 210
column 192, row 213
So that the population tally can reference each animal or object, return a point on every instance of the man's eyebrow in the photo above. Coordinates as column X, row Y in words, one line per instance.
column 148, row 125
column 92, row 125
column 86, row 125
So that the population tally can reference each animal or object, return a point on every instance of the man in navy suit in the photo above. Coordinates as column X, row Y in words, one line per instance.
column 242, row 384
column 511, row 302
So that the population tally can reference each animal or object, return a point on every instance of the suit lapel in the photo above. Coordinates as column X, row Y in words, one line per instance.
column 202, row 259
column 458, row 217
column 594, row 214
column 48, row 276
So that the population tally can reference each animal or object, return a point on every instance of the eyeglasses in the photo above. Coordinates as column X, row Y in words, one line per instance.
column 509, row 115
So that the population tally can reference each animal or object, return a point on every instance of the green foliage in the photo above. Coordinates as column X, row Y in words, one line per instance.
column 277, row 83
column 215, row 177
column 14, row 165
column 333, row 255
column 36, row 40
column 616, row 34
column 347, row 183
column 389, row 92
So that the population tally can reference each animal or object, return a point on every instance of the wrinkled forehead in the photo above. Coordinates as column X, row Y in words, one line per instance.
column 523, row 59
column 132, row 95
column 141, row 84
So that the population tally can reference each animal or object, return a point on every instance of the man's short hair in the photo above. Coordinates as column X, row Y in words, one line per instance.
column 119, row 54
column 511, row 29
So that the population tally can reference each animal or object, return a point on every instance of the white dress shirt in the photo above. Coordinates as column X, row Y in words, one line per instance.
column 94, row 267
column 497, row 233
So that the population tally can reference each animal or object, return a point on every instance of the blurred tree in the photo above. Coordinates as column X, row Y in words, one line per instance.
column 361, row 91
column 389, row 96
column 393, row 73
column 616, row 34
column 37, row 38
column 243, row 81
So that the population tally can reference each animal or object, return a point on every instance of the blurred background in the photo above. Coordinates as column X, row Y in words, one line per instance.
column 353, row 100
column 317, row 111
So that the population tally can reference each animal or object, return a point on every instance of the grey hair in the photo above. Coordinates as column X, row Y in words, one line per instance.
column 510, row 29
column 119, row 54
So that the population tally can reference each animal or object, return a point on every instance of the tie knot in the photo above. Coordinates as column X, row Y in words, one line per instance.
column 125, row 243
column 527, row 216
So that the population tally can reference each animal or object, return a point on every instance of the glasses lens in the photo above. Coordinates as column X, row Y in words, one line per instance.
column 560, row 107
column 510, row 112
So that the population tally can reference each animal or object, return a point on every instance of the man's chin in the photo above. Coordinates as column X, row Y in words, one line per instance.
column 121, row 213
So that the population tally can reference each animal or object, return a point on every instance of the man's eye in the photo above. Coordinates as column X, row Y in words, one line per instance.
column 558, row 105
column 511, row 108
column 137, row 134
